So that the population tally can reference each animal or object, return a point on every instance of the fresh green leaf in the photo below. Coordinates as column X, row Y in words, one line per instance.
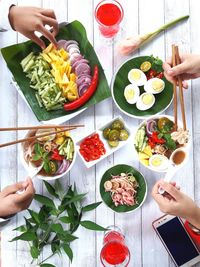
column 22, row 228
column 44, row 200
column 73, row 199
column 44, row 213
column 34, row 215
column 50, row 189
column 59, row 189
column 57, row 228
column 68, row 251
column 37, row 157
column 91, row 206
column 38, row 149
column 28, row 236
column 170, row 143
column 46, row 167
column 34, row 252
column 66, row 219
column 92, row 226
column 66, row 237
column 55, row 244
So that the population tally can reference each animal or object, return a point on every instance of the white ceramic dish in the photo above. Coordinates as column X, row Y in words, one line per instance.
column 39, row 176
column 180, row 125
column 109, row 150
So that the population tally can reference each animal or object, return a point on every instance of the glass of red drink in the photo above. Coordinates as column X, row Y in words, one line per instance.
column 109, row 15
column 114, row 251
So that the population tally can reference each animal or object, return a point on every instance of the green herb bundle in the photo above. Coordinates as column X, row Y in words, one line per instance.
column 55, row 223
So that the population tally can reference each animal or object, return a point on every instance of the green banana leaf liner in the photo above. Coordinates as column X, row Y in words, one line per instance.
column 120, row 81
column 141, row 190
column 14, row 54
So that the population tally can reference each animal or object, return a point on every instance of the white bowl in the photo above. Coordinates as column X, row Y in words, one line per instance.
column 39, row 176
column 180, row 125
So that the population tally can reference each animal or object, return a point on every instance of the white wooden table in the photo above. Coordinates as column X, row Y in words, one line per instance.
column 140, row 16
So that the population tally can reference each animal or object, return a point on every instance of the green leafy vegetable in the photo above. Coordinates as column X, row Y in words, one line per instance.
column 55, row 222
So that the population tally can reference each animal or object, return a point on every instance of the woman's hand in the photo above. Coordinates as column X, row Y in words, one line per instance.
column 27, row 20
column 188, row 69
column 176, row 203
column 12, row 202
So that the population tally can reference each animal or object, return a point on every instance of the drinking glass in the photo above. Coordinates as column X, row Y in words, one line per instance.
column 114, row 251
column 109, row 14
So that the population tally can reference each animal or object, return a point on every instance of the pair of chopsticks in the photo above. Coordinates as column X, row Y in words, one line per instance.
column 63, row 128
column 176, row 61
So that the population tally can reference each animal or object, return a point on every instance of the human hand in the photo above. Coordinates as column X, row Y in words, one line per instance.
column 188, row 69
column 176, row 203
column 27, row 20
column 11, row 202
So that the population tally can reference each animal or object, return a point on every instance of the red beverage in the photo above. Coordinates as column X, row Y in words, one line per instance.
column 114, row 252
column 109, row 14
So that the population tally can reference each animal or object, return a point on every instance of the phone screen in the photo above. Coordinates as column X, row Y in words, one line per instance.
column 177, row 241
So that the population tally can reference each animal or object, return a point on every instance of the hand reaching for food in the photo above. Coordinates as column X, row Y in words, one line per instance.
column 13, row 202
column 176, row 203
column 188, row 69
column 27, row 20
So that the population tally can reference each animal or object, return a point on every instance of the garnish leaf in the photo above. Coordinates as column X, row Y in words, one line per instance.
column 68, row 251
column 50, row 189
column 44, row 200
column 27, row 236
column 91, row 206
column 92, row 226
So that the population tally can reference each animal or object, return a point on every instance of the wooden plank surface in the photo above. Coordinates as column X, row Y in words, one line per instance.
column 140, row 16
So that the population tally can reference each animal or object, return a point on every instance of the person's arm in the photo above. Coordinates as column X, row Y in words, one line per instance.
column 176, row 203
column 11, row 202
column 4, row 15
column 28, row 20
column 188, row 69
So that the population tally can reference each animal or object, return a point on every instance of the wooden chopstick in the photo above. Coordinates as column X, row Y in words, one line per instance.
column 174, row 89
column 40, row 127
column 178, row 61
column 34, row 137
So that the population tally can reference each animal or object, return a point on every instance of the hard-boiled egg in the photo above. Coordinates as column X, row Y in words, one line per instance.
column 137, row 77
column 159, row 162
column 154, row 86
column 131, row 93
column 145, row 101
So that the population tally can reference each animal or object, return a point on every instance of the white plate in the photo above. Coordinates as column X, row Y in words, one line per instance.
column 109, row 150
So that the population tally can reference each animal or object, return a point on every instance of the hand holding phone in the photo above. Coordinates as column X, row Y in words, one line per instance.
column 176, row 203
column 177, row 241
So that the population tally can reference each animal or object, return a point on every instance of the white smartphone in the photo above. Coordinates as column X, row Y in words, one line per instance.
column 177, row 241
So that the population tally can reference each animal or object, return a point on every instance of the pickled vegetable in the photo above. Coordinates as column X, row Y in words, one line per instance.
column 106, row 132
column 113, row 135
column 53, row 167
column 117, row 125
column 113, row 143
column 145, row 66
column 123, row 136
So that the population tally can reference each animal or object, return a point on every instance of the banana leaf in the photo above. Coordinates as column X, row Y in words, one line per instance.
column 14, row 54
column 120, row 81
column 141, row 190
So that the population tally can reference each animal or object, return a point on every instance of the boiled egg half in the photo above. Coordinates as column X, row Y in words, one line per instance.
column 137, row 77
column 131, row 93
column 154, row 86
column 158, row 162
column 145, row 101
